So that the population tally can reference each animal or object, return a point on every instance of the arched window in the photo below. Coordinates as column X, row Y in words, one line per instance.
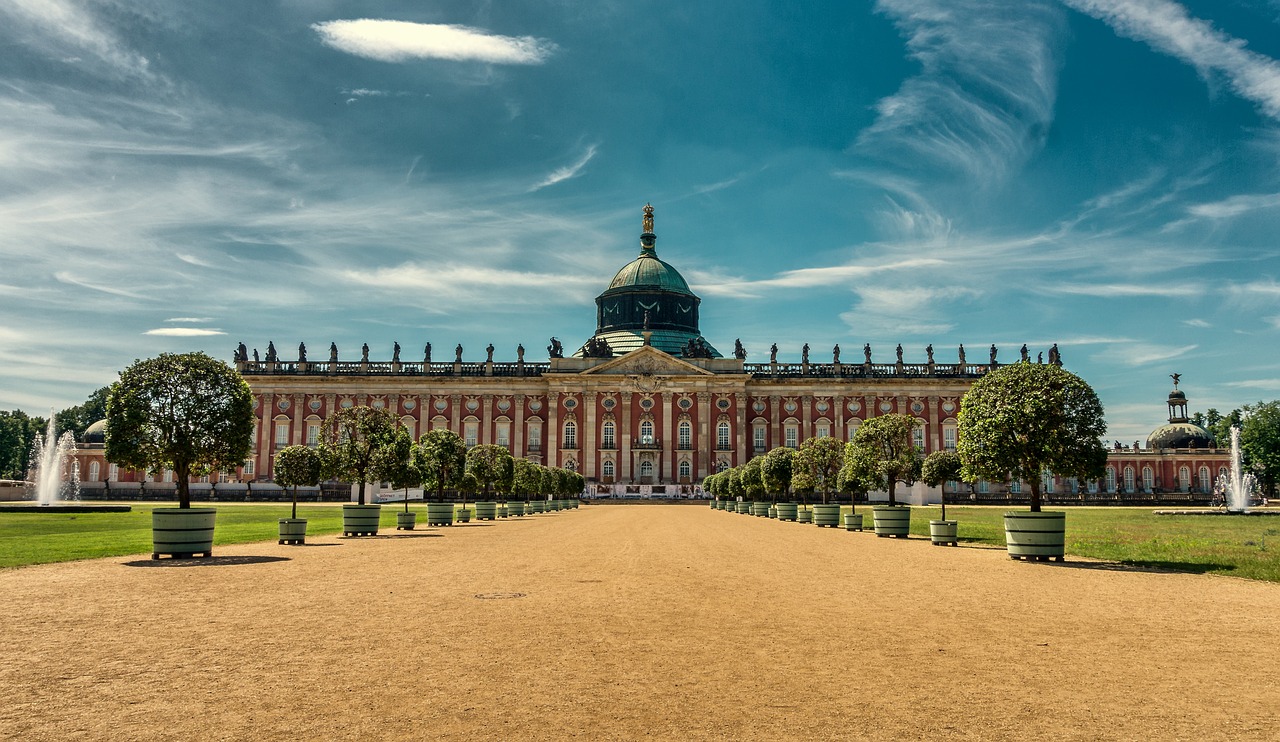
column 684, row 435
column 646, row 469
column 1111, row 479
column 851, row 428
column 1184, row 478
column 646, row 431
column 1046, row 483
column 1206, row 484
column 1148, row 479
column 409, row 424
column 570, row 434
column 1015, row 487
column 94, row 471
column 791, row 434
column 168, row 475
column 114, row 472
column 282, row 431
column 1128, row 479
column 607, row 468
column 722, row 436
column 685, row 470
column 607, row 435
column 984, row 486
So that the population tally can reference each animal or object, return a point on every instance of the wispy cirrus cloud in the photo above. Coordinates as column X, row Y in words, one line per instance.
column 1169, row 28
column 983, row 100
column 69, row 32
column 1115, row 290
column 1235, row 205
column 401, row 41
column 184, row 332
column 562, row 174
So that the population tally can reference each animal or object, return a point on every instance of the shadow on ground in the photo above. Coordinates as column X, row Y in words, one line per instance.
column 1149, row 567
column 214, row 561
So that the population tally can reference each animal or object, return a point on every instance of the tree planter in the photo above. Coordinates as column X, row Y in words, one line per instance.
column 742, row 507
column 826, row 515
column 853, row 521
column 891, row 520
column 182, row 532
column 1036, row 536
column 943, row 532
column 786, row 510
column 293, row 531
column 536, row 506
column 760, row 509
column 439, row 513
column 773, row 511
column 360, row 520
column 804, row 516
column 503, row 510
column 464, row 515
column 405, row 521
column 486, row 511
column 516, row 508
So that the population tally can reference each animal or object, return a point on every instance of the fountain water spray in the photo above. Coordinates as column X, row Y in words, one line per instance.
column 49, row 460
column 1236, row 487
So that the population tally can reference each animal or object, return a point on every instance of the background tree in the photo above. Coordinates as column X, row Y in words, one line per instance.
column 1024, row 419
column 526, row 477
column 822, row 457
column 939, row 468
column 802, row 483
column 441, row 457
column 76, row 419
column 298, row 466
column 775, row 471
column 360, row 445
column 550, row 483
column 1260, row 442
column 733, row 482
column 753, row 479
column 468, row 485
column 884, row 451
column 17, row 434
column 709, row 486
column 186, row 412
column 491, row 465
column 400, row 469
column 857, row 476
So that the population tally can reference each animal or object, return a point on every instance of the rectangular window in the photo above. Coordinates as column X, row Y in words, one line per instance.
column 504, row 434
column 535, row 437
column 282, row 434
column 949, row 438
column 792, row 437
column 984, row 486
column 722, row 436
column 1092, row 486
column 607, row 436
column 759, row 438
column 313, row 434
column 470, row 432
column 824, row 431
column 917, row 437
column 248, row 468
column 1015, row 487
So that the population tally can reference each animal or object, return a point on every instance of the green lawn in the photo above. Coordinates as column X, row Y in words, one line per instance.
column 1239, row 546
column 39, row 538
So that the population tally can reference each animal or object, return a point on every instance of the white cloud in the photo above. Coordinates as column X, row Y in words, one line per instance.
column 1196, row 323
column 1140, row 353
column 401, row 41
column 1235, row 205
column 189, row 319
column 1113, row 290
column 1167, row 26
column 61, row 27
column 983, row 100
column 1269, row 385
column 184, row 332
column 566, row 172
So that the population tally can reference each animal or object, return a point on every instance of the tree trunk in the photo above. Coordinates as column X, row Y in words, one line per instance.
column 1035, row 495
column 361, row 498
column 182, row 470
column 294, row 516
column 892, row 483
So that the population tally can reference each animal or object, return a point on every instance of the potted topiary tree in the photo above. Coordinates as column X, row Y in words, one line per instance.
column 296, row 466
column 191, row 414
column 884, row 450
column 360, row 446
column 403, row 475
column 822, row 459
column 526, row 478
column 738, row 493
column 753, row 486
column 939, row 468
column 775, row 472
column 441, row 457
column 490, row 464
column 468, row 485
column 1025, row 420
column 856, row 478
column 803, row 485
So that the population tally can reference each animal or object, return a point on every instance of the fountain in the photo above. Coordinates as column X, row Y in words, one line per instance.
column 49, row 458
column 1236, row 487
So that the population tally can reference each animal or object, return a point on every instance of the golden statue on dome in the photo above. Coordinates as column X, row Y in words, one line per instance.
column 648, row 218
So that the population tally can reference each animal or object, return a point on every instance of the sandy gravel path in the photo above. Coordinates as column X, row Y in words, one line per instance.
column 666, row 622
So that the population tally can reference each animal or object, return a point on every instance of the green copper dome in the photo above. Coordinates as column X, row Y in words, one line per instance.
column 648, row 271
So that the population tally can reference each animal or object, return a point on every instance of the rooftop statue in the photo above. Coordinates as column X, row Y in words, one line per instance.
column 242, row 353
column 556, row 349
column 993, row 354
column 804, row 353
column 520, row 353
column 364, row 353
column 333, row 352
column 1054, row 356
column 489, row 353
column 739, row 352
column 929, row 352
column 773, row 353
column 271, row 352
column 648, row 218
column 457, row 354
column 1025, row 357
column 962, row 352
column 426, row 353
column 1176, row 378
column 866, row 352
column 302, row 352
column 395, row 353
column 835, row 354
column 255, row 355
column 899, row 352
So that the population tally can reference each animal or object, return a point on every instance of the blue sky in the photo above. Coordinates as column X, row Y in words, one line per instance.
column 1104, row 174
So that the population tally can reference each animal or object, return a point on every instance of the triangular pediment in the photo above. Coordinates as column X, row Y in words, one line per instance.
column 648, row 360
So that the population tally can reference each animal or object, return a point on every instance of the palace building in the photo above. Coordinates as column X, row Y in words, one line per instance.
column 648, row 406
